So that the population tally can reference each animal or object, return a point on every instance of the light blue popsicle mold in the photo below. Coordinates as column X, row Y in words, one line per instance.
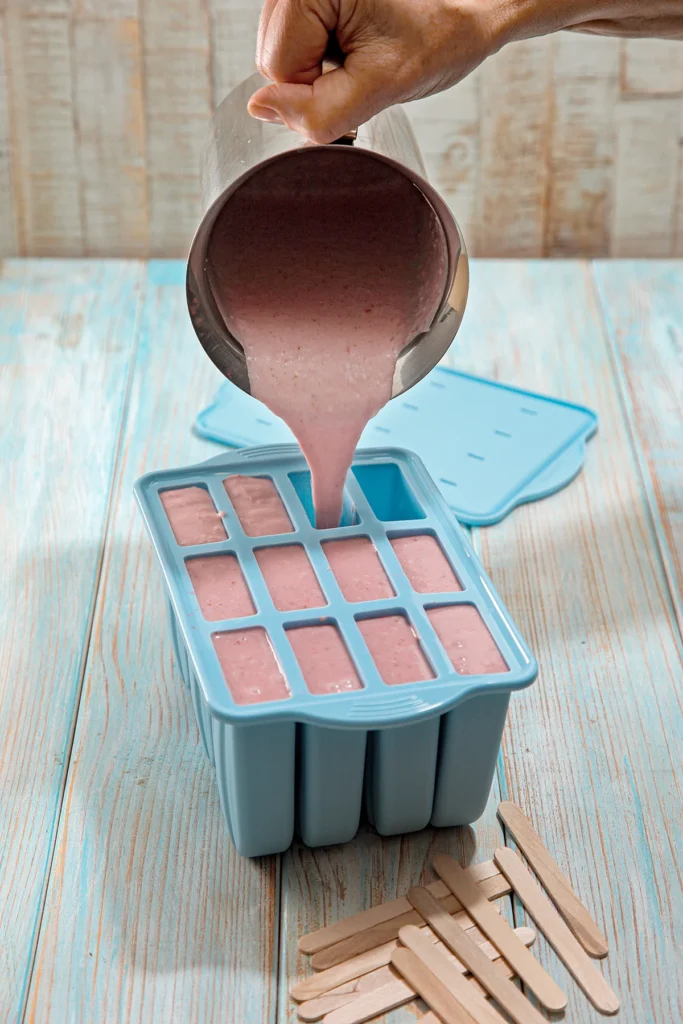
column 415, row 753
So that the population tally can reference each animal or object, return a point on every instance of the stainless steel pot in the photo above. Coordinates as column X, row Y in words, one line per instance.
column 239, row 147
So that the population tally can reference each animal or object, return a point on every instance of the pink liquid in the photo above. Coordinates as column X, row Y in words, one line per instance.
column 250, row 668
column 258, row 506
column 193, row 517
column 220, row 587
column 290, row 578
column 323, row 659
column 425, row 564
column 325, row 265
column 357, row 569
column 395, row 649
column 469, row 645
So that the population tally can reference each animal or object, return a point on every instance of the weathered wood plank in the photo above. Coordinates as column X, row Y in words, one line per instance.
column 582, row 141
column 593, row 750
column 651, row 67
column 47, row 191
column 111, row 135
column 66, row 335
column 150, row 914
column 234, row 25
column 8, row 225
column 646, row 183
column 179, row 101
column 643, row 309
column 515, row 134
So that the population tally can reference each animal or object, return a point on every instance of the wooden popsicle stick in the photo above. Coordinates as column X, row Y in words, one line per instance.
column 523, row 963
column 476, row 1004
column 370, row 1004
column 437, row 997
column 570, row 952
column 492, row 888
column 314, row 1009
column 556, row 884
column 503, row 991
column 365, row 919
column 362, row 963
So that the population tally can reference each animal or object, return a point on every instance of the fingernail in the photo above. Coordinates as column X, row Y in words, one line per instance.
column 265, row 114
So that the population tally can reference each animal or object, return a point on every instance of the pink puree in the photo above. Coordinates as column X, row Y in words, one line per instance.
column 220, row 587
column 250, row 667
column 468, row 643
column 425, row 564
column 192, row 516
column 290, row 578
column 395, row 649
column 323, row 659
column 258, row 506
column 357, row 569
column 325, row 265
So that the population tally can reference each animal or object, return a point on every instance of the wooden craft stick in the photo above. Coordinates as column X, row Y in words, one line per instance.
column 316, row 1008
column 370, row 1004
column 578, row 920
column 365, row 919
column 503, row 991
column 557, row 933
column 492, row 888
column 436, row 996
column 523, row 963
column 476, row 1004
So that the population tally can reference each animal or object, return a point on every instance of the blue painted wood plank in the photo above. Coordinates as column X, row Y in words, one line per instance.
column 67, row 331
column 642, row 304
column 593, row 750
column 150, row 915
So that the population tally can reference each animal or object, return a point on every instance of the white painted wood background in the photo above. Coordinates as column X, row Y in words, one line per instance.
column 569, row 145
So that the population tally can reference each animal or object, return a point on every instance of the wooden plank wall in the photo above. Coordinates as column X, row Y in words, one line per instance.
column 562, row 146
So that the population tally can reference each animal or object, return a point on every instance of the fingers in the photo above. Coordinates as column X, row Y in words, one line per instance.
column 332, row 105
column 293, row 38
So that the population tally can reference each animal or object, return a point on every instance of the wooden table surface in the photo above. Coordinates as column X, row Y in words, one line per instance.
column 121, row 898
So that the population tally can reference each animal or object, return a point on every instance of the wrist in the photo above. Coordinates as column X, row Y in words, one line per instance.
column 514, row 20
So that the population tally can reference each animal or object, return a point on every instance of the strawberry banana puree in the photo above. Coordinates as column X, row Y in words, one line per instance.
column 325, row 266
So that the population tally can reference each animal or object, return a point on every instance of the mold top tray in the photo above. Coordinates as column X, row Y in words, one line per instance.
column 389, row 495
column 489, row 447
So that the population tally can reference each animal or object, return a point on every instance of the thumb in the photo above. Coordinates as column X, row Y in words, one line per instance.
column 330, row 106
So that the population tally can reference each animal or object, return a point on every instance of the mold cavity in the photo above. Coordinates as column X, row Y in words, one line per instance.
column 323, row 659
column 301, row 482
column 467, row 640
column 387, row 492
column 258, row 506
column 290, row 578
column 425, row 564
column 358, row 569
column 193, row 516
column 529, row 412
column 220, row 587
column 250, row 668
column 395, row 649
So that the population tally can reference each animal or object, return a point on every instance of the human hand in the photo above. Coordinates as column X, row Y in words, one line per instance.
column 399, row 50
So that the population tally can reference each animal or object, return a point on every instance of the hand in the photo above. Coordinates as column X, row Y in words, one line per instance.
column 399, row 50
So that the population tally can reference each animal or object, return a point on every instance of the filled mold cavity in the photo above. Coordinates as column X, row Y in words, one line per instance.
column 387, row 492
column 357, row 569
column 423, row 561
column 290, row 577
column 467, row 640
column 192, row 516
column 395, row 649
column 258, row 505
column 220, row 587
column 324, row 661
column 301, row 482
column 250, row 667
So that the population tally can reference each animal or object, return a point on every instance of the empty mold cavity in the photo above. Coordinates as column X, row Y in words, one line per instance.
column 193, row 516
column 357, row 569
column 301, row 482
column 250, row 668
column 424, row 563
column 220, row 587
column 324, row 661
column 258, row 506
column 387, row 492
column 290, row 578
column 466, row 638
column 395, row 649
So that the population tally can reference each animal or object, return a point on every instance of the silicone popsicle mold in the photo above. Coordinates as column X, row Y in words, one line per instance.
column 416, row 752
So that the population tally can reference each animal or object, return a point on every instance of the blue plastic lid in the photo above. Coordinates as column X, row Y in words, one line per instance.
column 489, row 447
